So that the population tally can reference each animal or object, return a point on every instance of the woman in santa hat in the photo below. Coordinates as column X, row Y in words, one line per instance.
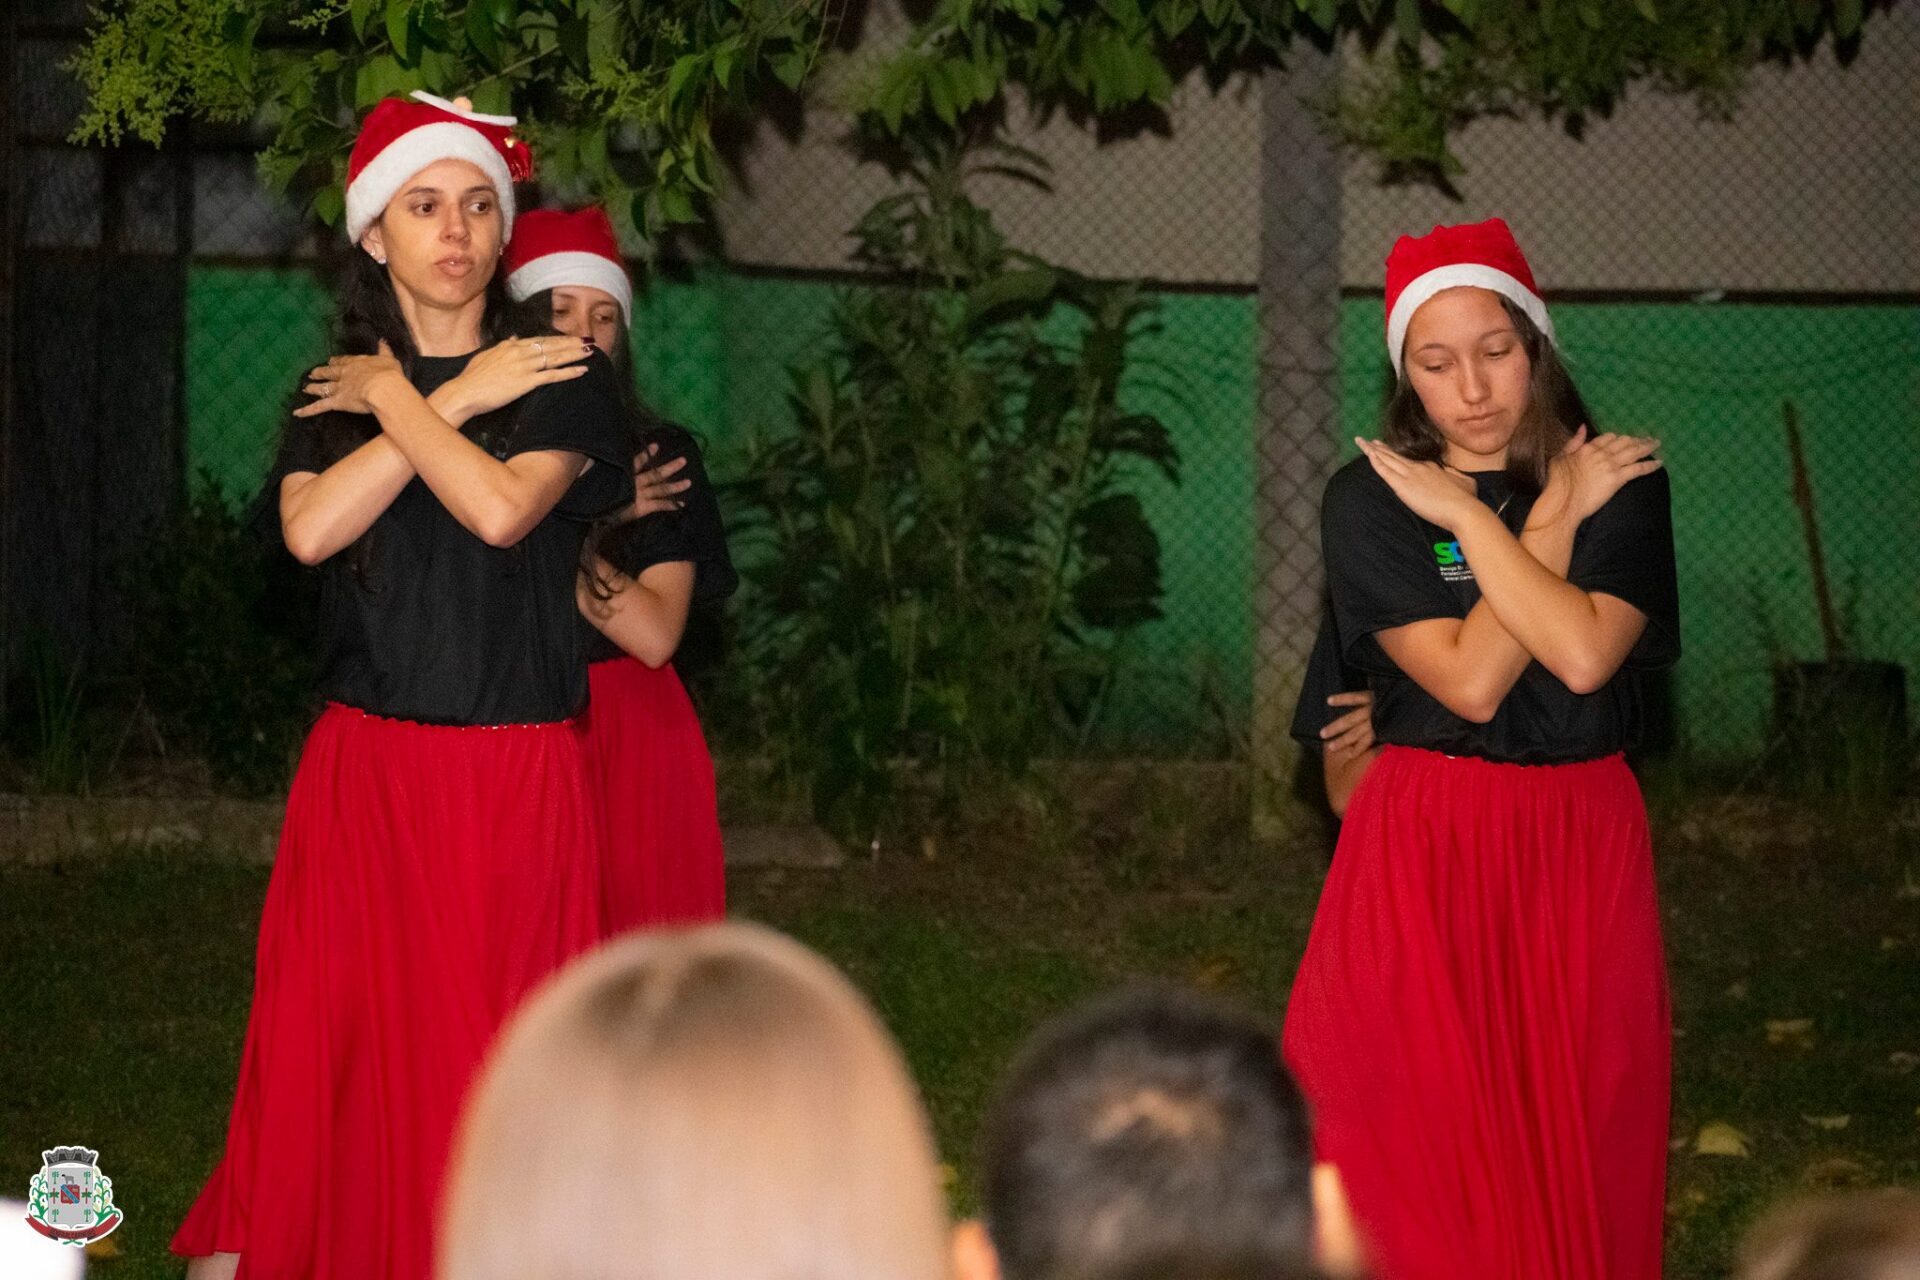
column 1481, row 1016
column 647, row 758
column 440, row 854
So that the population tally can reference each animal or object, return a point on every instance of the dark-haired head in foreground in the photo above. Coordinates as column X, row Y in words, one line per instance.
column 1151, row 1135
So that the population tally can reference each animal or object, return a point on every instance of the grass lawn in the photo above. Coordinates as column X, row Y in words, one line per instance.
column 1795, row 955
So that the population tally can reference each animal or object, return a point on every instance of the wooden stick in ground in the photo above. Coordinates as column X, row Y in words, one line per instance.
column 1810, row 525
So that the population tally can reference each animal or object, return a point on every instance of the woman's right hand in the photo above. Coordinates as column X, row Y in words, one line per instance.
column 1590, row 470
column 508, row 370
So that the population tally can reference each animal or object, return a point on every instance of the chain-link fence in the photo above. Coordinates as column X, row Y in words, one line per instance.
column 1707, row 277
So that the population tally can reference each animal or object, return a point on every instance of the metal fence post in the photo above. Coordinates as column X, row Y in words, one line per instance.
column 1299, row 413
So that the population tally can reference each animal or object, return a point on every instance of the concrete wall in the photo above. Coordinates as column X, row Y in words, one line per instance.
column 1813, row 186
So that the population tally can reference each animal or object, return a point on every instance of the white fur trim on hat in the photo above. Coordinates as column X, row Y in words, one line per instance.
column 421, row 95
column 1453, row 276
column 574, row 267
column 413, row 151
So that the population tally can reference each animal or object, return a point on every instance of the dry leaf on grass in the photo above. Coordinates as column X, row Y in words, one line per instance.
column 1795, row 1033
column 1836, row 1174
column 1720, row 1139
column 1685, row 1202
column 1828, row 1122
column 1214, row 974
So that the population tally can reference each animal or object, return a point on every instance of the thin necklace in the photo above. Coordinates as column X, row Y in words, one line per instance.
column 1497, row 511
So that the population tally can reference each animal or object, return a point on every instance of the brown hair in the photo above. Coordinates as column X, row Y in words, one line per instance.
column 1867, row 1235
column 713, row 1104
column 1555, row 410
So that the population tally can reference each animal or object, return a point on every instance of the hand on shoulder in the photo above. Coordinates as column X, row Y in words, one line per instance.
column 347, row 384
column 511, row 369
column 1589, row 472
column 1435, row 493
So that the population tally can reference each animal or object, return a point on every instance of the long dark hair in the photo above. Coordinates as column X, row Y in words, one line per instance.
column 368, row 313
column 1555, row 409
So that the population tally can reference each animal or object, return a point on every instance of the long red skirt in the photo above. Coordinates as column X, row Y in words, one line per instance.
column 1481, row 1021
column 652, row 778
column 427, row 878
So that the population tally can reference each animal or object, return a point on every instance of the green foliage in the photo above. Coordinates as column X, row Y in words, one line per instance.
column 1839, row 732
column 54, row 733
column 222, row 648
column 619, row 97
column 942, row 554
column 1433, row 67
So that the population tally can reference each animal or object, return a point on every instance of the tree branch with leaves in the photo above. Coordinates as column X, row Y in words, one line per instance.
column 618, row 97
column 1431, row 67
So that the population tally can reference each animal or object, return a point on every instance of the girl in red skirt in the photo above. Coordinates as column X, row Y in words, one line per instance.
column 652, row 776
column 441, row 854
column 1481, row 1017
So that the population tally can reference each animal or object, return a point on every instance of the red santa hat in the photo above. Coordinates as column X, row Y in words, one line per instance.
column 1482, row 254
column 552, row 249
column 400, row 138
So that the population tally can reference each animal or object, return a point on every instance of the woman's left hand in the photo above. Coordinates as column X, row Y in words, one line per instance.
column 1432, row 492
column 1352, row 733
column 657, row 485
column 343, row 382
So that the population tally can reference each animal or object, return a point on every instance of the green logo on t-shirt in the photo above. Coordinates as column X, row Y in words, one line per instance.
column 1451, row 561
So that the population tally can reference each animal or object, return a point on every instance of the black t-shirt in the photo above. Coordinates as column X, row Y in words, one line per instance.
column 427, row 622
column 1386, row 568
column 1327, row 673
column 692, row 533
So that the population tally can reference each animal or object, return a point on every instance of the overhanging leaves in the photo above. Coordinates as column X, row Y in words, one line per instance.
column 577, row 72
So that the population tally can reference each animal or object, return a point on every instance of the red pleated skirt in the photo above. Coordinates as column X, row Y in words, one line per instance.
column 1481, row 1021
column 427, row 878
column 652, row 779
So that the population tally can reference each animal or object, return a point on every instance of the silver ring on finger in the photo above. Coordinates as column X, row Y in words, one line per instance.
column 542, row 349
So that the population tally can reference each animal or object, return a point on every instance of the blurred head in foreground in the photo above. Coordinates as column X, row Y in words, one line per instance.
column 712, row 1104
